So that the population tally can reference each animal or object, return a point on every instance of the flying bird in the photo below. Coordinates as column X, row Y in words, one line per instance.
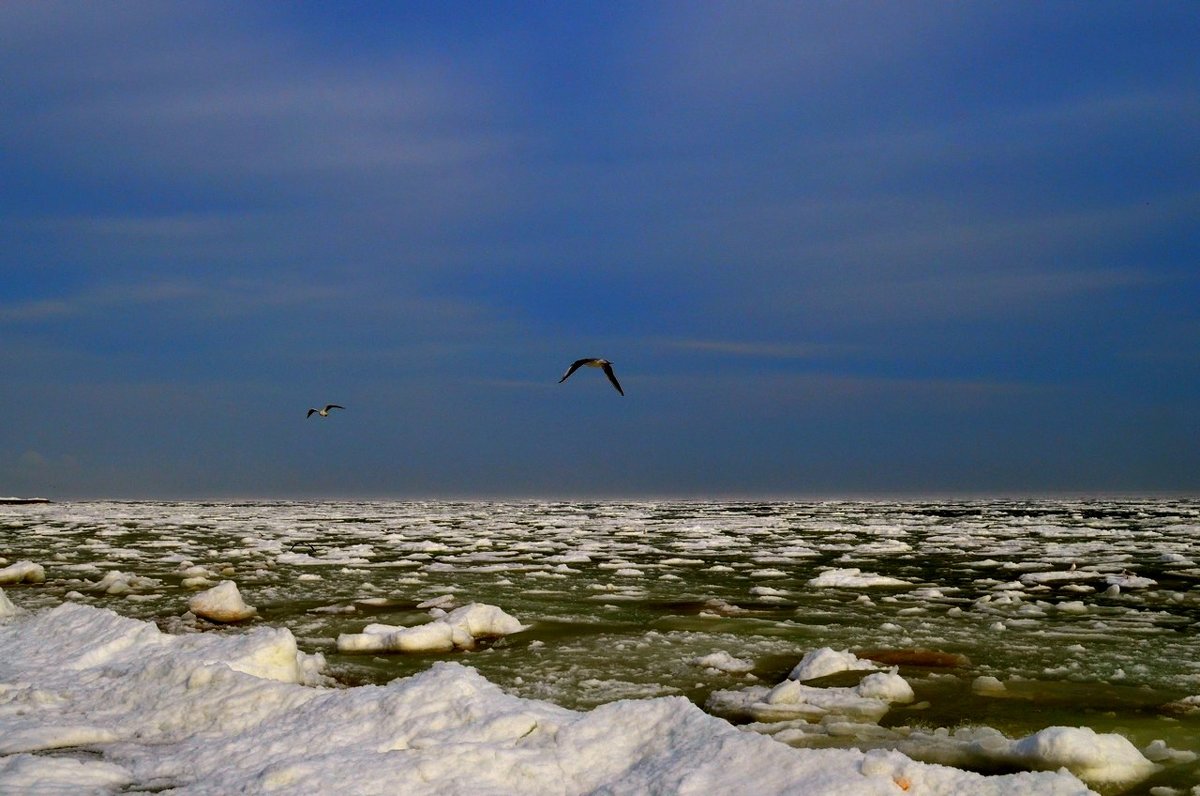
column 323, row 412
column 594, row 363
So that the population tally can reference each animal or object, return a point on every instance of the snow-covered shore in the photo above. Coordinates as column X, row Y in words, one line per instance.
column 94, row 702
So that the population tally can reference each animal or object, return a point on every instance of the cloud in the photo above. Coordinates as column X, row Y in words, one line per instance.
column 226, row 97
column 722, row 55
column 36, row 311
column 759, row 350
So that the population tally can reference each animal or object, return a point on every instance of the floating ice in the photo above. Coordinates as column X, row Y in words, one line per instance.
column 1108, row 759
column 888, row 686
column 117, row 582
column 22, row 572
column 826, row 661
column 988, row 685
column 221, row 603
column 724, row 662
column 462, row 628
column 791, row 700
column 854, row 578
column 1128, row 580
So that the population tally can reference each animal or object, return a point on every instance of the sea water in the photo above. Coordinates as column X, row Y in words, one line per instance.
column 1048, row 613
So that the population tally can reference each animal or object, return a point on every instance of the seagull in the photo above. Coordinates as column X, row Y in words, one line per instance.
column 594, row 363
column 323, row 412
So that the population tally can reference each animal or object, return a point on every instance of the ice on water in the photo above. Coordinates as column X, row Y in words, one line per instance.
column 760, row 613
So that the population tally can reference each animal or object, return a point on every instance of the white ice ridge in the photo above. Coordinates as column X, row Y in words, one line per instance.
column 208, row 713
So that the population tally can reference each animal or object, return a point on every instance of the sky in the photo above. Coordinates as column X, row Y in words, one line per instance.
column 833, row 249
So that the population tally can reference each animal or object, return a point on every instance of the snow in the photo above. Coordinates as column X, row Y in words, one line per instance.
column 207, row 713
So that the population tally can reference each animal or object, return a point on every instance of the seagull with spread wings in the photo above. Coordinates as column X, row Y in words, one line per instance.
column 593, row 362
column 323, row 412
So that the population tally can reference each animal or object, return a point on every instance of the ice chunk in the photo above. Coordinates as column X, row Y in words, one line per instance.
column 1100, row 759
column 826, row 661
column 888, row 686
column 723, row 661
column 459, row 629
column 853, row 578
column 221, row 603
column 22, row 572
column 117, row 582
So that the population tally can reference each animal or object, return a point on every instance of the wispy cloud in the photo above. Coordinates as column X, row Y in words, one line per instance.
column 204, row 96
column 759, row 350
column 228, row 297
column 36, row 311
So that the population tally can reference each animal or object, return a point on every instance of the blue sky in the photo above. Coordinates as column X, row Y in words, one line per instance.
column 833, row 249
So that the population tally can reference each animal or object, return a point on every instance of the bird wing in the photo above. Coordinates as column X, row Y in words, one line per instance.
column 608, row 371
column 574, row 367
column 310, row 412
column 333, row 406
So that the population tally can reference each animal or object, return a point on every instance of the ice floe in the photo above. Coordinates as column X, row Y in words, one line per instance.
column 221, row 603
column 22, row 572
column 826, row 661
column 805, row 715
column 463, row 628
column 854, row 578
column 722, row 661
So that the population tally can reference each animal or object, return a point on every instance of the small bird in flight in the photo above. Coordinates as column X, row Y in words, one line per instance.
column 323, row 412
column 594, row 363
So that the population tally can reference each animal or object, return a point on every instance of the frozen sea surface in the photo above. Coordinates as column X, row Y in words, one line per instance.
column 1004, row 619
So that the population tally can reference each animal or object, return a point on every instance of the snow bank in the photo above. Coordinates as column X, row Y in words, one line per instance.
column 22, row 572
column 462, row 628
column 221, row 603
column 183, row 713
